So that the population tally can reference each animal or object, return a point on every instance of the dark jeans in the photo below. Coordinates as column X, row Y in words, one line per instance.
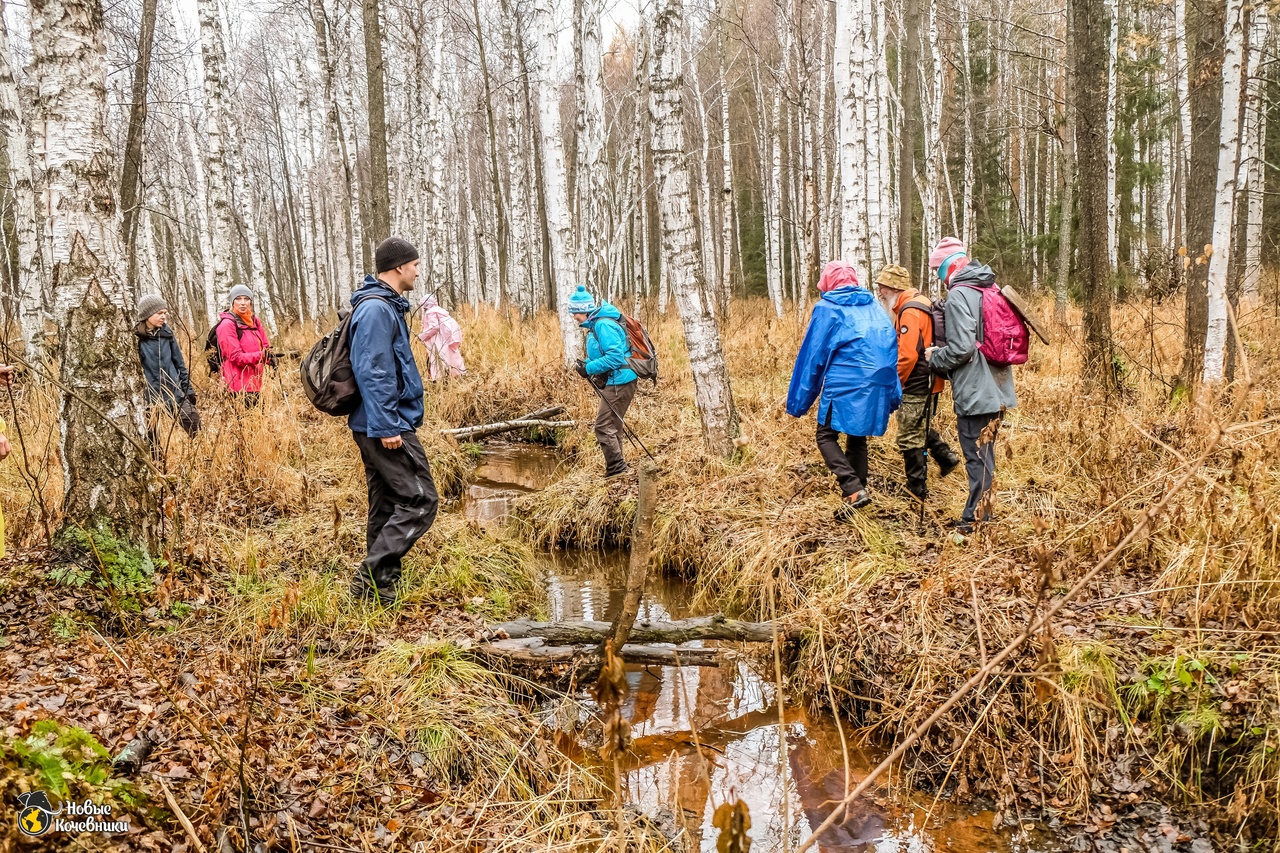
column 249, row 399
column 850, row 464
column 979, row 460
column 402, row 505
column 615, row 400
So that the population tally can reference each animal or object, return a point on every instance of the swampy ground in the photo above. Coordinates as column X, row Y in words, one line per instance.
column 288, row 718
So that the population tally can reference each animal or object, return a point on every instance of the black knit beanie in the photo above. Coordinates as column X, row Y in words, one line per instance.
column 394, row 252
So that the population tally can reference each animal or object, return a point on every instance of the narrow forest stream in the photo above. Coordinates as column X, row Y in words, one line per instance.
column 735, row 715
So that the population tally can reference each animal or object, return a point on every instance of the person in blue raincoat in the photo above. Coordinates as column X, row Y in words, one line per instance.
column 606, row 367
column 848, row 362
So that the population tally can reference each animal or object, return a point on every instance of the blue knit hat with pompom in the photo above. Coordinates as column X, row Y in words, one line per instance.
column 581, row 302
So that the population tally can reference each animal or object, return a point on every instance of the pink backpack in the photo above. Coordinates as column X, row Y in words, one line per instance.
column 1002, row 334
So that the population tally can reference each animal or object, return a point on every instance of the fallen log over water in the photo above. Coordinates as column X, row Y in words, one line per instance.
column 540, row 418
column 716, row 627
column 486, row 430
column 533, row 651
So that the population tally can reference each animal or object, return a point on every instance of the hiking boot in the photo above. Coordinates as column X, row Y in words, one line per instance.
column 916, row 465
column 961, row 526
column 946, row 458
column 849, row 506
column 363, row 590
column 621, row 472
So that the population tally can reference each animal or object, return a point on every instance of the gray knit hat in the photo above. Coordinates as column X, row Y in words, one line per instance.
column 238, row 291
column 148, row 304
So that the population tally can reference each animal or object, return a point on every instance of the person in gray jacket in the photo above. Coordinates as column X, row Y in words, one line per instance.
column 980, row 391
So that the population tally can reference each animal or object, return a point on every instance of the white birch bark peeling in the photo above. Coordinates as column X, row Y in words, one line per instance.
column 555, row 182
column 1224, row 200
column 712, row 392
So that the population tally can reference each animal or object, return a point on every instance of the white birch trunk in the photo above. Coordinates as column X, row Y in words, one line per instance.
column 931, row 216
column 706, row 221
column 884, row 225
column 590, row 179
column 104, row 473
column 435, row 174
column 1181, row 84
column 32, row 295
column 1224, row 200
column 336, row 156
column 850, row 60
column 712, row 392
column 726, row 164
column 1113, row 203
column 1253, row 152
column 968, row 195
column 222, row 225
column 555, row 184
column 773, row 212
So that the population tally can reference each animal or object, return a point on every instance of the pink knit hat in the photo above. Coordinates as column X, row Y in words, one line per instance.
column 947, row 257
column 946, row 247
column 837, row 274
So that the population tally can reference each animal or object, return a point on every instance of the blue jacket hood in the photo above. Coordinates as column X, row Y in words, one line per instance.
column 605, row 311
column 849, row 296
column 371, row 286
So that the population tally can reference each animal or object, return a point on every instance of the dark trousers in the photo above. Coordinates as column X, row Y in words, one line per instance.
column 614, row 402
column 848, row 464
column 184, row 413
column 979, row 459
column 402, row 505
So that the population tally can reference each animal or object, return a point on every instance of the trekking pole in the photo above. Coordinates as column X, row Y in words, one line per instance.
column 631, row 436
column 928, row 424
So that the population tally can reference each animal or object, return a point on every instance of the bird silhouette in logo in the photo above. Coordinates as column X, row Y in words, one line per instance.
column 34, row 817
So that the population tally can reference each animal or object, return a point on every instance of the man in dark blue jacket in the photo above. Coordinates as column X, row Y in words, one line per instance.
column 402, row 495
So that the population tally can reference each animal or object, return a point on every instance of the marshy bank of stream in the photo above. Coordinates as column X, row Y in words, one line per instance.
column 703, row 736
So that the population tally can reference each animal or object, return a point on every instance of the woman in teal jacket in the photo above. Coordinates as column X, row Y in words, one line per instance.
column 849, row 359
column 606, row 367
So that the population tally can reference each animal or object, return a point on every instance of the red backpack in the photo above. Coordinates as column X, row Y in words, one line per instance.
column 1002, row 334
column 644, row 355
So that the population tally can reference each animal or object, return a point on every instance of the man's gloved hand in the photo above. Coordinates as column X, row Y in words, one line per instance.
column 600, row 380
column 580, row 367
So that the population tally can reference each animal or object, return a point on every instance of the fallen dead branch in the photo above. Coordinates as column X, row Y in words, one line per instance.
column 715, row 627
column 485, row 430
column 534, row 651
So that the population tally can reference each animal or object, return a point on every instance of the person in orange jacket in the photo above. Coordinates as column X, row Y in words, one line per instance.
column 909, row 309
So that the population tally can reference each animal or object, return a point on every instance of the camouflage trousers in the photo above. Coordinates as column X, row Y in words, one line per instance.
column 911, row 420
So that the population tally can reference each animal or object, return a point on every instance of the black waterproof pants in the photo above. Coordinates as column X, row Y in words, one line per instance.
column 402, row 505
column 848, row 464
column 979, row 460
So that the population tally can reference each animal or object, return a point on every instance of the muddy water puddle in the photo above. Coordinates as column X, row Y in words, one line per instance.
column 703, row 736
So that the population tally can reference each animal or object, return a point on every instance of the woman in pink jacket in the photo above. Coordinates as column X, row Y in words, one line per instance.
column 244, row 347
column 442, row 337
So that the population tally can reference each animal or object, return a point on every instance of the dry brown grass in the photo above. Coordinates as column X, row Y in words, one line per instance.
column 906, row 613
column 270, row 512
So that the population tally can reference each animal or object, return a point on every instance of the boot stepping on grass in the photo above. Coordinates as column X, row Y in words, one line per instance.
column 849, row 506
